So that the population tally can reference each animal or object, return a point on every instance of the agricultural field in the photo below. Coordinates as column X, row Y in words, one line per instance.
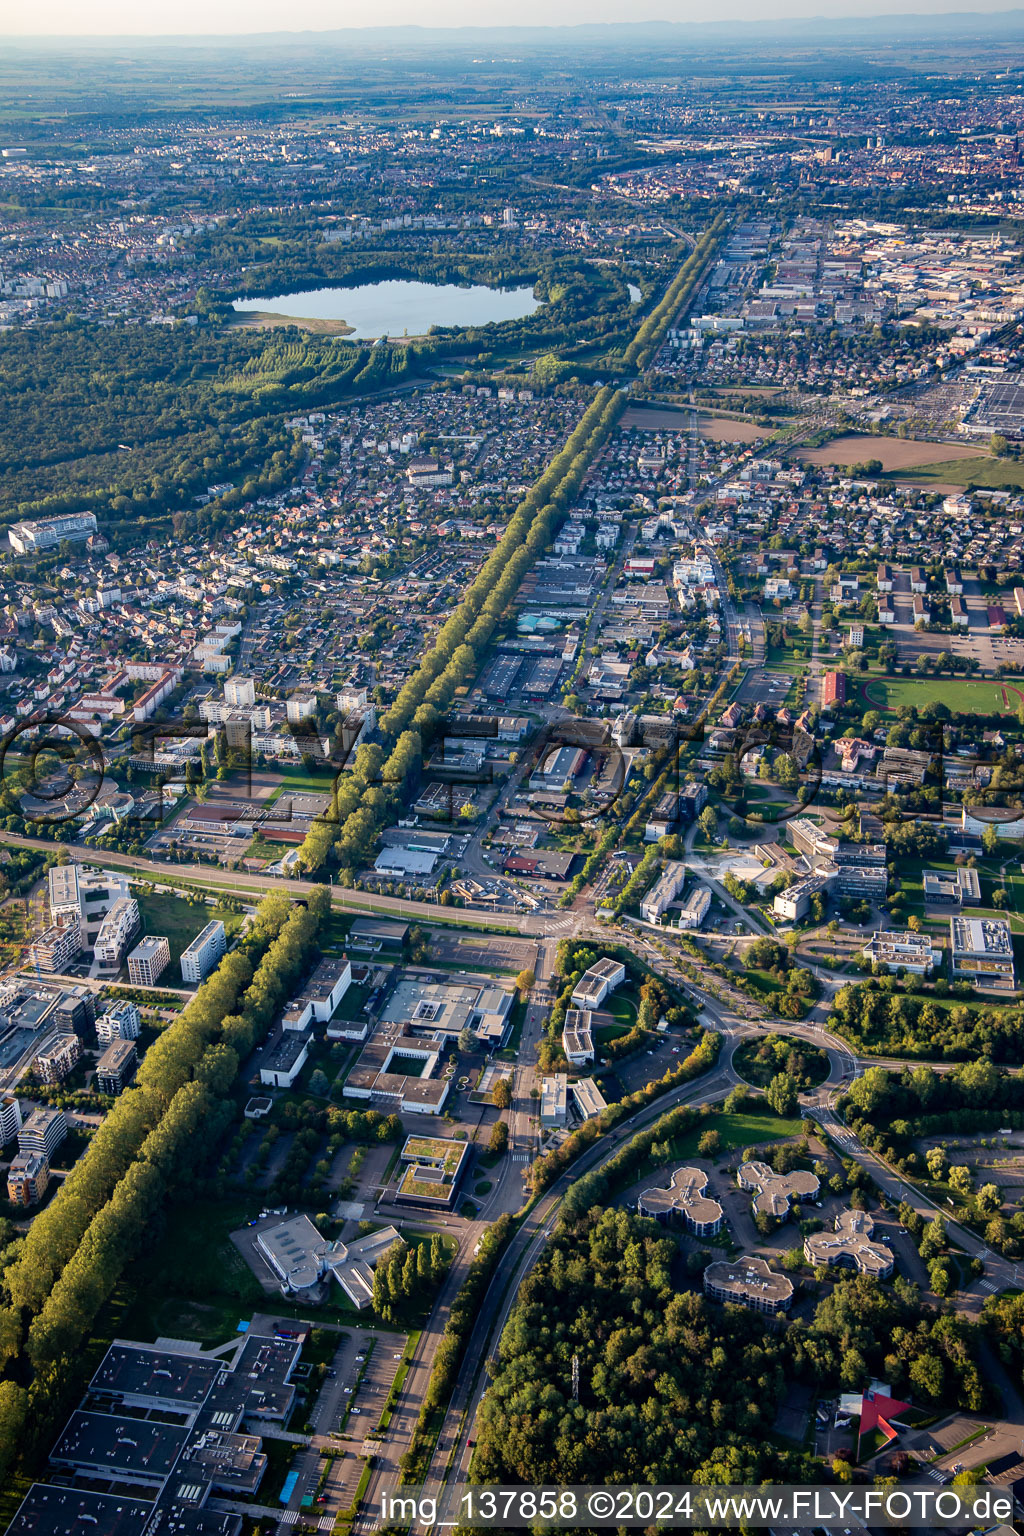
column 893, row 453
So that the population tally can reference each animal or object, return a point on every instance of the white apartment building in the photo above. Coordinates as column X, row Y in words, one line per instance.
column 202, row 954
column 118, row 929
column 148, row 961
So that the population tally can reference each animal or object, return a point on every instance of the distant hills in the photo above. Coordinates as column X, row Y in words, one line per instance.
column 742, row 35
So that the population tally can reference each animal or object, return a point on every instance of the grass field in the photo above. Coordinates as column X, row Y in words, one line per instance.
column 966, row 696
column 296, row 781
column 738, row 1131
column 179, row 921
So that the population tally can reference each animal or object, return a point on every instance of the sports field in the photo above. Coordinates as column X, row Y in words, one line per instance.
column 964, row 696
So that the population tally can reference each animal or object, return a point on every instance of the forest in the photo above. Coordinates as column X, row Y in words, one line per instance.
column 674, row 1389
column 878, row 1018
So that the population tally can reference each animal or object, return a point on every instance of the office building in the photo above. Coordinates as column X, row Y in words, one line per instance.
column 162, row 1432
column 981, row 951
column 749, row 1283
column 850, row 1246
column 285, row 1060
column 596, row 984
column 685, row 1200
column 431, row 1169
column 554, row 1108
column 301, row 1259
column 587, row 1097
column 43, row 1132
column 899, row 949
column 116, row 1067
column 148, row 961
column 775, row 1194
column 206, row 949
column 320, row 995
column 57, row 1058
column 958, row 887
column 27, row 1179
column 794, row 903
column 578, row 1037
column 695, row 908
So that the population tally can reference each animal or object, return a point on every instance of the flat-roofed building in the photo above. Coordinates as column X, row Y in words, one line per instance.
column 432, row 1167
column 794, row 903
column 199, row 959
column 285, row 1060
column 321, row 993
column 587, row 1097
column 377, row 933
column 301, row 1258
column 981, row 949
column 121, row 1021
column 116, row 1067
column 27, row 1179
column 148, row 961
column 951, row 887
column 444, row 1009
column 686, row 1200
column 899, row 949
column 55, row 949
column 396, row 1071
column 663, row 892
column 64, row 889
column 775, row 1194
column 10, row 1118
column 117, row 931
column 749, row 1283
column 850, row 1246
column 57, row 1058
column 695, row 908
column 597, row 983
column 578, row 1036
column 554, row 1107
column 43, row 1132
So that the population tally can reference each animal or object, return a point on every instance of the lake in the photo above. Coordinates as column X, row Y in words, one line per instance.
column 397, row 306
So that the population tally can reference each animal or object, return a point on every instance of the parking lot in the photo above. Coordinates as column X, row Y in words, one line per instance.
column 352, row 1399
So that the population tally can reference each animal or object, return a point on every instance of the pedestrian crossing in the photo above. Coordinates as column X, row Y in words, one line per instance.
column 933, row 1475
column 289, row 1517
column 988, row 1285
column 520, row 1157
column 326, row 1523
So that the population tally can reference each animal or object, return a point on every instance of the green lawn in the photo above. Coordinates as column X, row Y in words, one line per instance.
column 744, row 1130
column 296, row 781
column 967, row 696
column 792, row 658
column 179, row 921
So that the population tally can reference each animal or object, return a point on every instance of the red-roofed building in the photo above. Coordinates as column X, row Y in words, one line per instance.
column 833, row 690
column 877, row 1411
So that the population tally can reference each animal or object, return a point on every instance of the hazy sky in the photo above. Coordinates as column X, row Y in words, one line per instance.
column 127, row 17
